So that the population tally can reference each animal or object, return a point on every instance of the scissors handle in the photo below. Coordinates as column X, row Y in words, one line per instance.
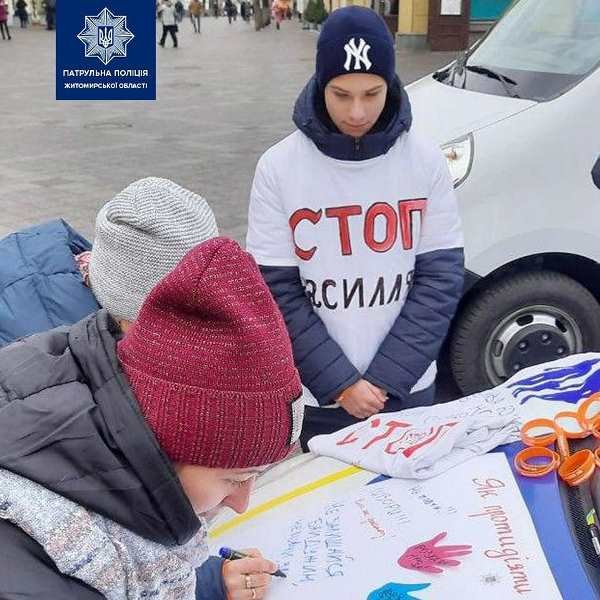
column 582, row 423
column 535, row 469
column 538, row 440
column 583, row 410
column 577, row 468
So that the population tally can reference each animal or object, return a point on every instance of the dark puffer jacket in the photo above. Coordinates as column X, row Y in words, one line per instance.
column 69, row 421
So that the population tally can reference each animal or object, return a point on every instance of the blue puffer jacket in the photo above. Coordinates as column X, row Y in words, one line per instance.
column 416, row 337
column 40, row 284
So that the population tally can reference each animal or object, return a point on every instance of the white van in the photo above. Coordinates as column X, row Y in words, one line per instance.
column 518, row 116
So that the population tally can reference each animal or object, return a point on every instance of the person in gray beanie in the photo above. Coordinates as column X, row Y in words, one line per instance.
column 141, row 234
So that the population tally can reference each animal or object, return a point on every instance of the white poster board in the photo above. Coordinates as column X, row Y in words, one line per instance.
column 451, row 7
column 467, row 529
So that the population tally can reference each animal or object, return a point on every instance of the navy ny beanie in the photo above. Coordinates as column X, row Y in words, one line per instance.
column 354, row 40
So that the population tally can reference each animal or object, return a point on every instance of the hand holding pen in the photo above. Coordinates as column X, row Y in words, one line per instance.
column 247, row 575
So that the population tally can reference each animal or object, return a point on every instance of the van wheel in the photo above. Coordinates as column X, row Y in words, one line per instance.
column 523, row 320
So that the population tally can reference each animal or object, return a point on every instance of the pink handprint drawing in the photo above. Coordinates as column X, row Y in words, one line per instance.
column 429, row 558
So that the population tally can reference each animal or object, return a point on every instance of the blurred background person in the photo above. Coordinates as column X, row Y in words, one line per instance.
column 4, row 20
column 22, row 13
column 169, row 22
column 195, row 10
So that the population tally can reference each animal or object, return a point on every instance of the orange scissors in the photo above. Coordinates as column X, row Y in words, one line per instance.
column 538, row 460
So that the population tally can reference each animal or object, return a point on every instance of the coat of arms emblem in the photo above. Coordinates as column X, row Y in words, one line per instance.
column 105, row 36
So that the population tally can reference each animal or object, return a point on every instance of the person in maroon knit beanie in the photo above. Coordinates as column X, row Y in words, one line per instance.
column 210, row 363
column 116, row 447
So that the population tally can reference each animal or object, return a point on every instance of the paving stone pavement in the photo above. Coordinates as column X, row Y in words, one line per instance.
column 224, row 96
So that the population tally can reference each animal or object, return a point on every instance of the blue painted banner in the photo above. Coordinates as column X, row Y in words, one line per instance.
column 106, row 50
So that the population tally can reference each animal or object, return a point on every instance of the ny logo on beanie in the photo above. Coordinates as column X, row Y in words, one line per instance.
column 360, row 54
column 367, row 42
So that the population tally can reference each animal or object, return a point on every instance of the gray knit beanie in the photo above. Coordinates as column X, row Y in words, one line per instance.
column 141, row 234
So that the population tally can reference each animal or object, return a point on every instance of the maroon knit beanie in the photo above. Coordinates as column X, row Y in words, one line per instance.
column 210, row 363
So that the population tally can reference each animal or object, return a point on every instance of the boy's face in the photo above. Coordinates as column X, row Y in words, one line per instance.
column 355, row 101
column 210, row 489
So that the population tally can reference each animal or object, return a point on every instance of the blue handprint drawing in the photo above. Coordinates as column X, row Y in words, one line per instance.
column 397, row 591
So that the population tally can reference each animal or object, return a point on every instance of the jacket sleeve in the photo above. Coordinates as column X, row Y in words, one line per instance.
column 324, row 368
column 596, row 173
column 416, row 337
column 209, row 580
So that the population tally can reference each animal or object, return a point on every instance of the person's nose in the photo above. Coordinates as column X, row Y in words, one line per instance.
column 239, row 500
column 357, row 112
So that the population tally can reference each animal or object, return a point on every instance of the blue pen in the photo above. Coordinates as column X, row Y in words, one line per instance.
column 231, row 554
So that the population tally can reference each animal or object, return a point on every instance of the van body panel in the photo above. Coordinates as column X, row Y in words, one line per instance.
column 443, row 113
column 529, row 190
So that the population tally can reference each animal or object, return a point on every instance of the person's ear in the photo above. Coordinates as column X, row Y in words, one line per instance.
column 124, row 325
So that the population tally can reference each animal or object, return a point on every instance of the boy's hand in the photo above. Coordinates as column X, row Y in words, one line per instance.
column 362, row 399
column 381, row 393
column 247, row 578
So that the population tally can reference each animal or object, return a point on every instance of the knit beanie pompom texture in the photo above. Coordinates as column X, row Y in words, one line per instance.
column 141, row 234
column 210, row 363
column 354, row 39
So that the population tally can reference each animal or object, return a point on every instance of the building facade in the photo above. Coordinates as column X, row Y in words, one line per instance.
column 410, row 18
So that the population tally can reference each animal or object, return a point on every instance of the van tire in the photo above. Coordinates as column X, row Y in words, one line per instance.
column 490, row 331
